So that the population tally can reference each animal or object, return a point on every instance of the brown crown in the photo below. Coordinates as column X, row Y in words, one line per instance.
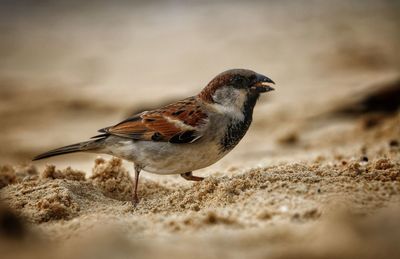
column 221, row 80
column 217, row 82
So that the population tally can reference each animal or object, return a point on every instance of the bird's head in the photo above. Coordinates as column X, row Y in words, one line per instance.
column 236, row 88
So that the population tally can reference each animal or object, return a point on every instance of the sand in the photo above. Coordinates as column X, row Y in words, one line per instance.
column 316, row 176
column 325, row 207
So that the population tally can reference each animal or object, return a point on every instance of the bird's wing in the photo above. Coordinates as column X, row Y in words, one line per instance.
column 181, row 122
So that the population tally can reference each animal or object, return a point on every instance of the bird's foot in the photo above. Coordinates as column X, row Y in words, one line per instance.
column 190, row 177
column 135, row 200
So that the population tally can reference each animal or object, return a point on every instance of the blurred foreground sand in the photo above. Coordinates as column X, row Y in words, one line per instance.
column 317, row 175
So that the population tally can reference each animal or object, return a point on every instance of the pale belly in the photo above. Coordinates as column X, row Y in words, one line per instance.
column 167, row 158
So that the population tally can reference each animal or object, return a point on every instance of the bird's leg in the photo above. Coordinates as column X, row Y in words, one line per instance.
column 190, row 177
column 135, row 198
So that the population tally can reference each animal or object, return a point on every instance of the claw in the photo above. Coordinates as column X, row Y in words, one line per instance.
column 190, row 177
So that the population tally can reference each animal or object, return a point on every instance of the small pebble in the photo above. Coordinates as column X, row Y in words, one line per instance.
column 393, row 143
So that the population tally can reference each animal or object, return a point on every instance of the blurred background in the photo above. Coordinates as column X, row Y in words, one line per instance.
column 316, row 176
column 68, row 68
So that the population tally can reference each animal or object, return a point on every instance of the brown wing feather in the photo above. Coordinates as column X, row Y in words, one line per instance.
column 180, row 122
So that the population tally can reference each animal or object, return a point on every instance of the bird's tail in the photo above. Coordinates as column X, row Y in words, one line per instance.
column 90, row 145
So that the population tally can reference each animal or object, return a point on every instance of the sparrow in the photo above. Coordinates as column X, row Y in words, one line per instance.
column 183, row 136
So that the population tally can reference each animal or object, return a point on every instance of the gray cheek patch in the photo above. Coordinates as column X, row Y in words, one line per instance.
column 226, row 96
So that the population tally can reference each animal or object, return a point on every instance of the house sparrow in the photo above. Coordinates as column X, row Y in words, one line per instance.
column 184, row 136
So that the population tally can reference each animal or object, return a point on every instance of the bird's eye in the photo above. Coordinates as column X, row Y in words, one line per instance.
column 252, row 78
column 238, row 81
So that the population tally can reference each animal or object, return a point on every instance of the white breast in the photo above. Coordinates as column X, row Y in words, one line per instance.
column 165, row 157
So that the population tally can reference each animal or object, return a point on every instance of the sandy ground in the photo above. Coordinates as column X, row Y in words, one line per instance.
column 317, row 175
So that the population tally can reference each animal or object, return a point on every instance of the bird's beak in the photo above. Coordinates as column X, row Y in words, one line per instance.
column 262, row 84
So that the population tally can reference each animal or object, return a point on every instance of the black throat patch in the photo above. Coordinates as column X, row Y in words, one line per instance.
column 237, row 129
